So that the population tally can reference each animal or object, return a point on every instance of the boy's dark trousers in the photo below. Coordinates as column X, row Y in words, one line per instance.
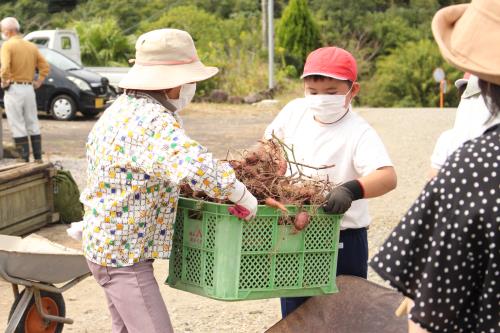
column 352, row 260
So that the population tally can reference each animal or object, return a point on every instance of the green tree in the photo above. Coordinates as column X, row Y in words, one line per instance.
column 341, row 18
column 56, row 6
column 208, row 36
column 102, row 43
column 31, row 14
column 378, row 36
column 204, row 27
column 372, row 28
column 297, row 33
column 129, row 14
column 226, row 8
column 404, row 78
column 419, row 14
column 229, row 44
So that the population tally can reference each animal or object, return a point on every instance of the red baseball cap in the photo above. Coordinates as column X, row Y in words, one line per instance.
column 332, row 62
column 464, row 80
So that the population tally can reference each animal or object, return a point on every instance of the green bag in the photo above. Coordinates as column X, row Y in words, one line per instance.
column 67, row 197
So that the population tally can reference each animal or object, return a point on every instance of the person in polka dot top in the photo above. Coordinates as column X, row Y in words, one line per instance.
column 138, row 156
column 445, row 253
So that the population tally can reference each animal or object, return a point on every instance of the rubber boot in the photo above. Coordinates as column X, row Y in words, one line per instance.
column 23, row 148
column 36, row 145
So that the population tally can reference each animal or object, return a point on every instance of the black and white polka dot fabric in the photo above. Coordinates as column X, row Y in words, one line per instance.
column 445, row 253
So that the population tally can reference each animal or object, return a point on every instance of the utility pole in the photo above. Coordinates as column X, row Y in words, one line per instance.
column 270, row 40
column 263, row 9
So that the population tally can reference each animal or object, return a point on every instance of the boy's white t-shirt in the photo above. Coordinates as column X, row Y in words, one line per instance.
column 446, row 144
column 351, row 144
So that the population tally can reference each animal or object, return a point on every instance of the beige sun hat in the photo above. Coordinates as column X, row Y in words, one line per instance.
column 468, row 36
column 165, row 58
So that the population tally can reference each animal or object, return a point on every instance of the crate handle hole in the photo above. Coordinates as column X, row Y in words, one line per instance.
column 195, row 214
column 286, row 219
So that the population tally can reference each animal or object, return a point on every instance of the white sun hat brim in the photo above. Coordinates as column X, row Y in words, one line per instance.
column 158, row 77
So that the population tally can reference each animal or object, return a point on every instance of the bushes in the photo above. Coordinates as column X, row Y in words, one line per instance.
column 232, row 44
column 404, row 78
column 102, row 43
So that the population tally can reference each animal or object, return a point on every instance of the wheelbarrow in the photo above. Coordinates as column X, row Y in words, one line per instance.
column 39, row 265
column 360, row 306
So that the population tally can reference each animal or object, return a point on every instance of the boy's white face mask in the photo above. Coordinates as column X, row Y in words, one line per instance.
column 328, row 109
column 185, row 96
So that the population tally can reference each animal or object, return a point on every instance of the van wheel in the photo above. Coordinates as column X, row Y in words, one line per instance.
column 63, row 108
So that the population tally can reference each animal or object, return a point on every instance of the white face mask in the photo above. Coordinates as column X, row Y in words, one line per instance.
column 328, row 109
column 185, row 96
column 4, row 36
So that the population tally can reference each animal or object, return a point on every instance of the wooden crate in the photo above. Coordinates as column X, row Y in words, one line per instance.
column 26, row 197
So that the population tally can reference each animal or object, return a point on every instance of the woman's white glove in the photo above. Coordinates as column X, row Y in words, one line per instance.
column 76, row 230
column 245, row 203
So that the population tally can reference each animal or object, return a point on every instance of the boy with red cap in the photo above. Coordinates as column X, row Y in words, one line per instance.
column 323, row 130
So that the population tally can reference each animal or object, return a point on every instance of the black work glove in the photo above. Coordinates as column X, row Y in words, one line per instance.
column 339, row 200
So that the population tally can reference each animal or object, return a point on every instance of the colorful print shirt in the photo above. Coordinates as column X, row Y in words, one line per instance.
column 138, row 155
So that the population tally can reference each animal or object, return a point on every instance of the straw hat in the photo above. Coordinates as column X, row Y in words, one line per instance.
column 164, row 59
column 468, row 36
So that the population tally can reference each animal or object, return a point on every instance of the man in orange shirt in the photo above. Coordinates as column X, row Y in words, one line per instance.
column 19, row 60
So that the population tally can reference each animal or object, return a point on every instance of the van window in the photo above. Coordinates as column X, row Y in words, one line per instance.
column 40, row 41
column 65, row 43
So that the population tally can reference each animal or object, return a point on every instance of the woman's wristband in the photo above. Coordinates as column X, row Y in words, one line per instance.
column 242, row 196
column 237, row 192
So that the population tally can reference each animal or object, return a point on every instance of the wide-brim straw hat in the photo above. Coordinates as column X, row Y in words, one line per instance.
column 468, row 36
column 165, row 58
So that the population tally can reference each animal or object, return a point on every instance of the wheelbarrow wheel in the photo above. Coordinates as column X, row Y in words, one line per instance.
column 32, row 321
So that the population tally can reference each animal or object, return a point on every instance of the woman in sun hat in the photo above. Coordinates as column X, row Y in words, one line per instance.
column 444, row 254
column 138, row 154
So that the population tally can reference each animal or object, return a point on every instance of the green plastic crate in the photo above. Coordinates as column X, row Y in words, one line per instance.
column 218, row 256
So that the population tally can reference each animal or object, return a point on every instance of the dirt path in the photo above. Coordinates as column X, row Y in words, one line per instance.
column 409, row 135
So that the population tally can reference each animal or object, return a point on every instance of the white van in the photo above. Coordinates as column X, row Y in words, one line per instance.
column 64, row 41
column 67, row 42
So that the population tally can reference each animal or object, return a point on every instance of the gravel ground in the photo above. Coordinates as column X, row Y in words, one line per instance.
column 409, row 135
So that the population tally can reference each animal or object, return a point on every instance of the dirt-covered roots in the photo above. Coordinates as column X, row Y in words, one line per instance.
column 267, row 173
